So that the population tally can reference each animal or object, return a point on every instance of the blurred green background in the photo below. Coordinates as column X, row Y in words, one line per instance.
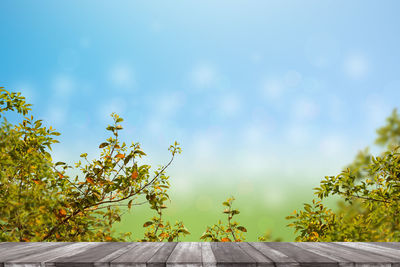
column 265, row 97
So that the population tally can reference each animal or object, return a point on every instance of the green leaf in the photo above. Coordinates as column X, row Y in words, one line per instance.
column 103, row 145
column 146, row 224
column 140, row 152
column 241, row 228
column 235, row 212
column 126, row 160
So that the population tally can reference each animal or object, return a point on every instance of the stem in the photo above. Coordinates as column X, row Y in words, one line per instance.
column 373, row 199
column 159, row 222
column 230, row 227
column 155, row 177
column 66, row 179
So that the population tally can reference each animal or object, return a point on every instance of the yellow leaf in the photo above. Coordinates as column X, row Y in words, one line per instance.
column 315, row 234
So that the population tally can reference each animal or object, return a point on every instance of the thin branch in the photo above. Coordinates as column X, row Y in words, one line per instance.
column 66, row 179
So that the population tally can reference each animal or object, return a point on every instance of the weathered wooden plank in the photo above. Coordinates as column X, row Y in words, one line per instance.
column 105, row 261
column 304, row 257
column 207, row 255
column 394, row 245
column 390, row 253
column 367, row 259
column 89, row 254
column 260, row 259
column 138, row 255
column 229, row 254
column 160, row 258
column 106, row 254
column 279, row 258
column 343, row 256
column 26, row 249
column 38, row 258
column 9, row 245
column 185, row 254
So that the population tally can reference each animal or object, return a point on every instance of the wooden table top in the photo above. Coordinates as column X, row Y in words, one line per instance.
column 121, row 254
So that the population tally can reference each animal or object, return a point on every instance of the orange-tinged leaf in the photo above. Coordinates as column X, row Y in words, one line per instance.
column 225, row 239
column 315, row 234
column 36, row 181
column 135, row 175
column 62, row 212
column 25, row 239
column 146, row 224
column 164, row 235
column 108, row 238
column 89, row 180
column 120, row 156
column 60, row 175
column 241, row 228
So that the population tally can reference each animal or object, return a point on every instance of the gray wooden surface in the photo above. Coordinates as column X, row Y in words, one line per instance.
column 200, row 254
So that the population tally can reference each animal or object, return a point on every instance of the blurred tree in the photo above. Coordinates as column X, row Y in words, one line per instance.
column 370, row 192
column 40, row 202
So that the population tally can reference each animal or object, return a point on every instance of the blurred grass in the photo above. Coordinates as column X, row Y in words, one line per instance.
column 203, row 208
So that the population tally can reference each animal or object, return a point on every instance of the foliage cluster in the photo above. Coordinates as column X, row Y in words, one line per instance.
column 41, row 202
column 231, row 232
column 369, row 189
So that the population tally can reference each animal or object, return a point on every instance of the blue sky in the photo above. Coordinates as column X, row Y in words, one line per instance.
column 268, row 94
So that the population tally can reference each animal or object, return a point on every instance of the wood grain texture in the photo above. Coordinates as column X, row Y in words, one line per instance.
column 140, row 254
column 343, row 257
column 89, row 255
column 185, row 254
column 279, row 258
column 230, row 254
column 48, row 255
column 391, row 254
column 260, row 259
column 196, row 254
column 304, row 257
column 207, row 255
column 11, row 253
column 162, row 255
